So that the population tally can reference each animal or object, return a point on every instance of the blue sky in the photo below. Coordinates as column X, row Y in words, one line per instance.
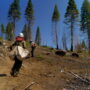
column 43, row 10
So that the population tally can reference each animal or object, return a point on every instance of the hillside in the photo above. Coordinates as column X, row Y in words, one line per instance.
column 46, row 71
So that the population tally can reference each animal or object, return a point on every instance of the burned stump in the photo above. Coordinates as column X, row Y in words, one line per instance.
column 60, row 53
column 75, row 55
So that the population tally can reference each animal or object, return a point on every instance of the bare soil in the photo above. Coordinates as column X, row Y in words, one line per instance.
column 45, row 72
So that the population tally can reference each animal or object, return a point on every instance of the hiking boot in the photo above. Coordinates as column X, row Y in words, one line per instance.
column 15, row 74
column 11, row 73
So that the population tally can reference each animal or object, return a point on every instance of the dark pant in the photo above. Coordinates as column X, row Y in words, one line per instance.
column 32, row 51
column 16, row 67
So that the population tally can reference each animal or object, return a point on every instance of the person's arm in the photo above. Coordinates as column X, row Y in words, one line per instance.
column 12, row 45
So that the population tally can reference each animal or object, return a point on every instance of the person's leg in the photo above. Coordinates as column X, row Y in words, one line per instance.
column 13, row 70
column 32, row 52
column 18, row 66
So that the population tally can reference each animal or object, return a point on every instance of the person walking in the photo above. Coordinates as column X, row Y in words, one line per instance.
column 18, row 62
column 33, row 46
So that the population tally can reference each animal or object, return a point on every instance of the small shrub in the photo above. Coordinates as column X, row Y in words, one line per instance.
column 40, row 57
column 1, row 38
column 80, row 48
column 27, row 44
column 46, row 46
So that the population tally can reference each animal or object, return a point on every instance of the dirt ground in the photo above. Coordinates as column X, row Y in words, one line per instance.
column 43, row 72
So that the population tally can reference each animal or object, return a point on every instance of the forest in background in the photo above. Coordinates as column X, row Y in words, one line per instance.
column 72, row 18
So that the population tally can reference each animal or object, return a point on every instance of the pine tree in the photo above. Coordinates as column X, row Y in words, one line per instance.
column 83, row 44
column 2, row 30
column 88, row 26
column 14, row 14
column 25, row 29
column 85, row 19
column 71, row 17
column 84, row 15
column 64, row 41
column 55, row 19
column 29, row 15
column 38, row 36
column 9, row 31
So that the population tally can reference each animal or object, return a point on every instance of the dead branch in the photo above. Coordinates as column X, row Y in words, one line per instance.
column 71, row 87
column 28, row 86
column 86, row 80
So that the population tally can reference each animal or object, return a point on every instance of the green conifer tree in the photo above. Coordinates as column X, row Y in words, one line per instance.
column 85, row 19
column 9, row 31
column 25, row 31
column 84, row 15
column 71, row 17
column 29, row 15
column 38, row 36
column 55, row 19
column 14, row 14
column 83, row 44
column 2, row 30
